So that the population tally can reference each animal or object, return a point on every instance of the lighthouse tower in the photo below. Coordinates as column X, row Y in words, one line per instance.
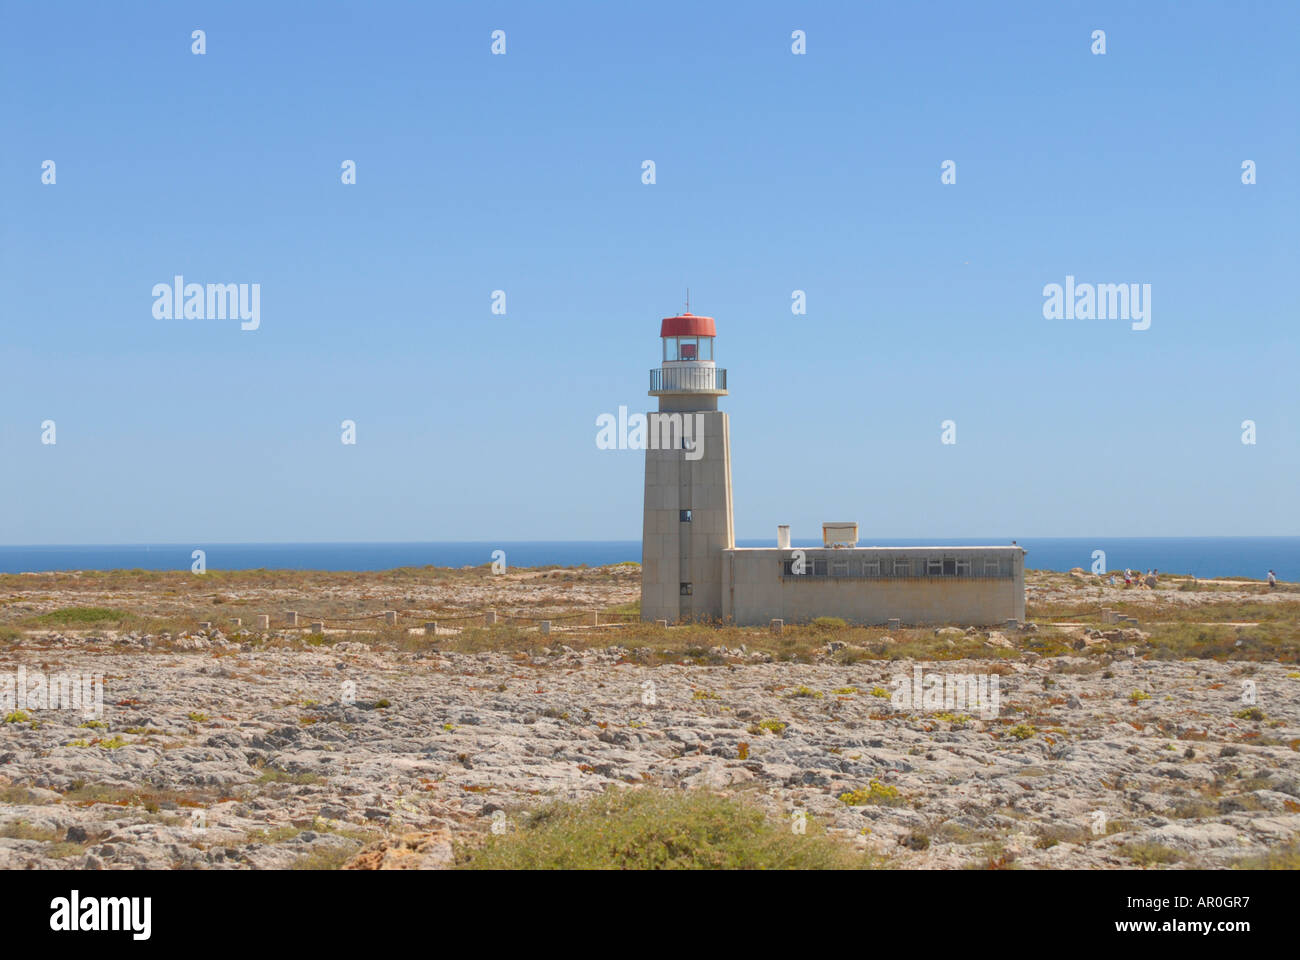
column 688, row 519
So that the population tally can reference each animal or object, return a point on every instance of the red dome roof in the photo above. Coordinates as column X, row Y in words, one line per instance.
column 688, row 325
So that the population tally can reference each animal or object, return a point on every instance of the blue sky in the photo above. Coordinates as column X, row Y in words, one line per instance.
column 522, row 172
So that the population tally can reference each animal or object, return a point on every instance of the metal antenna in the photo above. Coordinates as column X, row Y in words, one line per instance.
column 688, row 299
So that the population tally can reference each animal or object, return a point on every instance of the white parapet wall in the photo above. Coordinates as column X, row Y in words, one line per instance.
column 921, row 586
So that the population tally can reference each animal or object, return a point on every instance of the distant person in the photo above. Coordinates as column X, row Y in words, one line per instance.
column 1272, row 579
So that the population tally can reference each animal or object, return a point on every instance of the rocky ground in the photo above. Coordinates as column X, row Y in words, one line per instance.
column 236, row 749
column 414, row 593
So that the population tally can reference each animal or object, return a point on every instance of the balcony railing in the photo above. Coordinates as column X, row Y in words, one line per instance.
column 688, row 380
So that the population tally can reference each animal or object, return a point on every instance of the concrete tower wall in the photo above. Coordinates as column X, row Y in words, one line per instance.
column 674, row 550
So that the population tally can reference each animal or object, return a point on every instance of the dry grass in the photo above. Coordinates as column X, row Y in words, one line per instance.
column 1286, row 857
column 160, row 602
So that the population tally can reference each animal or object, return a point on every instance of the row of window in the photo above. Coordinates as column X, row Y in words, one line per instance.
column 899, row 567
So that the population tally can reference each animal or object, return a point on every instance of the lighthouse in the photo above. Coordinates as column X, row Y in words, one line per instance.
column 691, row 568
column 688, row 517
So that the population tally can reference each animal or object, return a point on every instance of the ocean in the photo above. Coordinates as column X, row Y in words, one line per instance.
column 1201, row 556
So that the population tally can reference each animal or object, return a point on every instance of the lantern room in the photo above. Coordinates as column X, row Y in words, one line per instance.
column 687, row 367
column 687, row 338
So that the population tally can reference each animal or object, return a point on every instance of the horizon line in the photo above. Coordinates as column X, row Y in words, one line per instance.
column 937, row 542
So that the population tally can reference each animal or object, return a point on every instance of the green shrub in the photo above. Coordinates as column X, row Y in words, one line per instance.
column 77, row 616
column 651, row 829
column 1147, row 854
column 829, row 623
column 874, row 794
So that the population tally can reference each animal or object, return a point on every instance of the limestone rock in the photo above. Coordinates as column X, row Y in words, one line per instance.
column 414, row 851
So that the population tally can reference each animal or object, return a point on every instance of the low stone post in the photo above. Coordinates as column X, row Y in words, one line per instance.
column 316, row 626
column 490, row 618
column 291, row 617
column 264, row 621
column 777, row 626
column 390, row 617
column 545, row 626
column 431, row 628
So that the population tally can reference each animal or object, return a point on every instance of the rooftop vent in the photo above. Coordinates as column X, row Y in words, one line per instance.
column 840, row 534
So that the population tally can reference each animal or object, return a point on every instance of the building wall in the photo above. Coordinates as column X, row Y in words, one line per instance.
column 674, row 552
column 757, row 590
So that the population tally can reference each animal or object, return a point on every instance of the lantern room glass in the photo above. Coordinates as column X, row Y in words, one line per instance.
column 688, row 348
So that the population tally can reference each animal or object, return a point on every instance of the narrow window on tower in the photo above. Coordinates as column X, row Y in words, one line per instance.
column 686, row 590
column 685, row 516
